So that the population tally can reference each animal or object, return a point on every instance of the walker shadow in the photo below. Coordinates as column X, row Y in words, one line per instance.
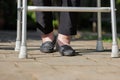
column 79, row 52
column 91, row 51
column 6, row 47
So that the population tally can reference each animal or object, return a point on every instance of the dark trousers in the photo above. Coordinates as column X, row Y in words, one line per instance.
column 67, row 20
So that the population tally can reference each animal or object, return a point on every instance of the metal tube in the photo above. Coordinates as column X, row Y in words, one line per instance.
column 69, row 9
column 99, row 9
column 18, row 38
column 23, row 53
column 99, row 22
column 115, row 48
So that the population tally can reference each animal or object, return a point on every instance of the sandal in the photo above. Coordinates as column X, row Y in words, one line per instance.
column 65, row 50
column 47, row 47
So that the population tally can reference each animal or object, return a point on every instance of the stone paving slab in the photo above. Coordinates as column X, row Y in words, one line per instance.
column 88, row 65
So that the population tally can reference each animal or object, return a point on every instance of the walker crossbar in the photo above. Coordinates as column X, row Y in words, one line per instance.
column 22, row 21
column 69, row 9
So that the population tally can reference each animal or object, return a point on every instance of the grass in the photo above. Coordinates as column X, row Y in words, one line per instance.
column 105, row 38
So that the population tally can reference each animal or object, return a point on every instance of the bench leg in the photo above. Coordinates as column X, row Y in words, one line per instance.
column 23, row 49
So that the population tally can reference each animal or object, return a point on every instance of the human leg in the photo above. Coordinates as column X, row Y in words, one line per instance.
column 44, row 23
column 67, row 28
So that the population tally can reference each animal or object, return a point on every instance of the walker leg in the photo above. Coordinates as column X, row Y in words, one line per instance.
column 18, row 38
column 23, row 50
column 99, row 46
column 115, row 49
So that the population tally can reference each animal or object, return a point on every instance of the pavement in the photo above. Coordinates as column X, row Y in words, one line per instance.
column 87, row 65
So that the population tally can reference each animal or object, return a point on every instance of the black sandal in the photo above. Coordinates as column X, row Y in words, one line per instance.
column 65, row 50
column 47, row 47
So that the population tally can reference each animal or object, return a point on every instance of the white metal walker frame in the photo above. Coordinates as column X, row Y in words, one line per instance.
column 22, row 9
